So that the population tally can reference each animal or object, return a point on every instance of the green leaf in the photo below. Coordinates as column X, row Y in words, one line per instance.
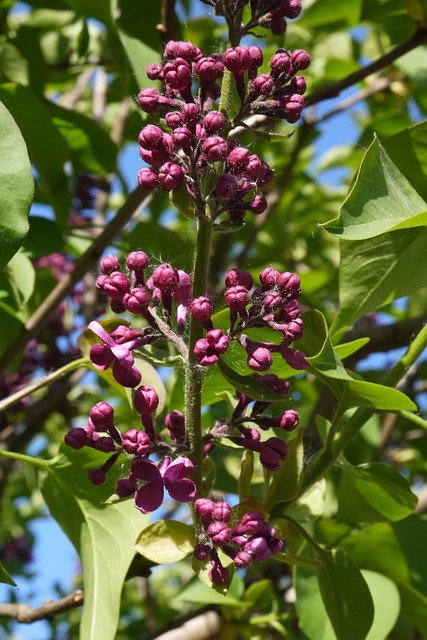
column 5, row 578
column 199, row 592
column 286, row 482
column 347, row 349
column 308, row 507
column 414, row 607
column 322, row 13
column 104, row 535
column 139, row 56
column 378, row 270
column 373, row 492
column 408, row 151
column 166, row 541
column 43, row 237
column 16, row 190
column 346, row 596
column 380, row 201
column 411, row 534
column 22, row 277
column 246, row 474
column 26, row 107
column 13, row 66
column 250, row 386
column 386, row 599
column 98, row 9
column 182, row 201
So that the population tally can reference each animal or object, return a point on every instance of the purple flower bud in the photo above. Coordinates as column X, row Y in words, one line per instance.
column 281, row 63
column 150, row 136
column 253, row 523
column 214, row 121
column 238, row 159
column 272, row 453
column 236, row 277
column 237, row 298
column 109, row 263
column 209, row 69
column 237, row 60
column 117, row 306
column 268, row 277
column 274, row 383
column 204, row 508
column 116, row 285
column 149, row 100
column 259, row 358
column 103, row 443
column 242, row 559
column 278, row 27
column 126, row 487
column 171, row 176
column 208, row 350
column 147, row 179
column 294, row 358
column 221, row 512
column 253, row 167
column 272, row 300
column 265, row 175
column 293, row 9
column 201, row 309
column 227, row 186
column 136, row 301
column 76, row 438
column 289, row 283
column 175, row 424
column 201, row 551
column 154, row 71
column 300, row 59
column 174, row 119
column 177, row 74
column 262, row 85
column 191, row 114
column 96, row 476
column 219, row 533
column 298, row 84
column 182, row 137
column 136, row 442
column 256, row 547
column 258, row 204
column 186, row 50
column 165, row 277
column 215, row 148
column 145, row 400
column 218, row 574
column 289, row 420
column 102, row 416
column 256, row 56
column 293, row 107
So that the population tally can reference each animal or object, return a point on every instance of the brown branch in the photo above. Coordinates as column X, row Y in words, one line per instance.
column 167, row 26
column 34, row 325
column 27, row 614
column 204, row 626
column 334, row 89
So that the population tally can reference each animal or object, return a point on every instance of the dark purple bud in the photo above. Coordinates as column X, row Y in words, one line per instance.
column 103, row 443
column 154, row 71
column 136, row 442
column 262, row 85
column 238, row 159
column 137, row 261
column 136, row 301
column 182, row 137
column 268, row 277
column 201, row 309
column 293, row 107
column 256, row 547
column 242, row 559
column 237, row 60
column 209, row 69
column 300, row 59
column 281, row 63
column 236, row 277
column 221, row 512
column 165, row 277
column 126, row 487
column 174, row 119
column 278, row 26
column 265, row 175
column 171, row 176
column 177, row 74
column 145, row 400
column 272, row 453
column 109, row 263
column 289, row 283
column 272, row 300
column 204, row 508
column 259, row 358
column 289, row 420
column 227, row 186
column 253, row 167
column 208, row 350
column 96, row 476
column 149, row 100
column 275, row 383
column 258, row 204
column 76, row 438
column 191, row 114
column 293, row 9
column 294, row 358
column 147, row 179
column 215, row 148
column 186, row 50
column 116, row 285
column 298, row 84
column 218, row 532
column 218, row 574
column 117, row 306
column 237, row 298
column 150, row 136
column 201, row 551
column 175, row 424
column 214, row 121
column 102, row 416
column 253, row 523
column 256, row 57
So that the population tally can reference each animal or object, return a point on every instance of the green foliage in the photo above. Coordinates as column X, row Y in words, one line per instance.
column 166, row 541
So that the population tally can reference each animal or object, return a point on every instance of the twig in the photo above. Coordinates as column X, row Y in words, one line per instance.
column 70, row 99
column 333, row 90
column 99, row 94
column 167, row 26
column 137, row 199
column 27, row 614
column 205, row 626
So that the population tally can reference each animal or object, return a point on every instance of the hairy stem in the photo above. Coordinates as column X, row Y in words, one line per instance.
column 193, row 372
column 43, row 382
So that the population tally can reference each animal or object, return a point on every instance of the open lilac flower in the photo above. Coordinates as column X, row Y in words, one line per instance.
column 118, row 356
column 171, row 475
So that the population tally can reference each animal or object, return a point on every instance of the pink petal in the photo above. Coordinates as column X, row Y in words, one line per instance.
column 179, row 468
column 123, row 354
column 101, row 356
column 99, row 331
column 149, row 497
column 181, row 490
column 126, row 377
column 146, row 470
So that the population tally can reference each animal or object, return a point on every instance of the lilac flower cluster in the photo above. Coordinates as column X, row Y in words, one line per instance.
column 147, row 480
column 249, row 540
column 192, row 145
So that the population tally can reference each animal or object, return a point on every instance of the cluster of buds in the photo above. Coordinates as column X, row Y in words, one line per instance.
column 247, row 541
column 147, row 480
column 192, row 148
column 273, row 304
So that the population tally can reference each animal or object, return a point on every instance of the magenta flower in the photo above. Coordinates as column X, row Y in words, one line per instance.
column 171, row 475
column 208, row 350
column 117, row 356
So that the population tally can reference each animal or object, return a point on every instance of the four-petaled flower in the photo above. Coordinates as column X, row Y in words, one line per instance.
column 171, row 475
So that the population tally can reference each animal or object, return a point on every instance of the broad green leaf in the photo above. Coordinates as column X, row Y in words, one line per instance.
column 411, row 534
column 246, row 474
column 373, row 492
column 166, row 541
column 414, row 607
column 286, row 482
column 346, row 596
column 139, row 55
column 43, row 237
column 381, row 200
column 13, row 65
column 104, row 535
column 386, row 599
column 322, row 13
column 98, row 9
column 378, row 270
column 249, row 385
column 10, row 323
column 16, row 187
column 308, row 507
column 5, row 578
column 27, row 108
column 259, row 594
column 408, row 151
column 199, row 592
column 347, row 349
column 22, row 277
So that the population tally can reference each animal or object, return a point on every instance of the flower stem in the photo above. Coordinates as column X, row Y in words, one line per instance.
column 193, row 371
column 42, row 382
column 20, row 457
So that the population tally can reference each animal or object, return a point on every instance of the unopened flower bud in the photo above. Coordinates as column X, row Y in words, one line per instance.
column 136, row 442
column 237, row 159
column 300, row 59
column 149, row 100
column 262, row 85
column 174, row 119
column 214, row 121
column 227, row 186
column 182, row 137
column 177, row 74
column 215, row 148
column 237, row 298
column 236, row 277
column 201, row 309
column 102, row 416
column 289, row 420
column 218, row 532
column 175, row 424
column 96, row 476
column 171, row 176
column 154, row 71
column 109, row 263
column 147, row 179
column 150, row 136
column 126, row 487
column 204, row 508
column 221, row 512
column 165, row 277
column 258, row 204
column 145, row 400
column 201, row 551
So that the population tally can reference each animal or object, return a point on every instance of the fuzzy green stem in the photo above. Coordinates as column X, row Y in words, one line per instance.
column 193, row 371
column 413, row 417
column 20, row 457
column 326, row 458
column 226, row 93
column 303, row 533
column 42, row 382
